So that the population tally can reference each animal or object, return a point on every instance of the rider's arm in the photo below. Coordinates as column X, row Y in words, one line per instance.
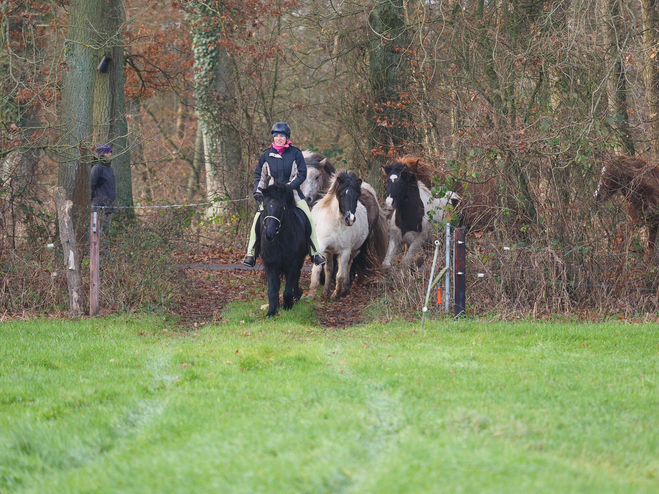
column 258, row 172
column 301, row 171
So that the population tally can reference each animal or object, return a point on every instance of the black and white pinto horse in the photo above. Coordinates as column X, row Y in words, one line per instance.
column 415, row 210
column 319, row 175
column 284, row 244
column 344, row 231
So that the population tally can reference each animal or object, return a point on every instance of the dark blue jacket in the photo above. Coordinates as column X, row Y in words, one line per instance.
column 104, row 186
column 288, row 167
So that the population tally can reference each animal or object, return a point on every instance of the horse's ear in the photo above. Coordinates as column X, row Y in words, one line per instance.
column 409, row 175
column 329, row 168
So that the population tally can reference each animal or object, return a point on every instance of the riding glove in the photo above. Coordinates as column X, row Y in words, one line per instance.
column 258, row 197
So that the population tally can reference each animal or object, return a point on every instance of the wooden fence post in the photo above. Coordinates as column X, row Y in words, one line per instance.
column 69, row 246
column 94, row 257
column 460, row 259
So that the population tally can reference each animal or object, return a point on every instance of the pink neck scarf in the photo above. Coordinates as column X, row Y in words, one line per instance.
column 281, row 149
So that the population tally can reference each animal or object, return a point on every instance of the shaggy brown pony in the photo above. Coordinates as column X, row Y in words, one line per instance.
column 478, row 205
column 638, row 181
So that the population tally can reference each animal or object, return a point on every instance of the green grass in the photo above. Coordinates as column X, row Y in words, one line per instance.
column 130, row 404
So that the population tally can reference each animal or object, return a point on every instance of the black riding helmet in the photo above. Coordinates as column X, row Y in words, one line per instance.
column 281, row 128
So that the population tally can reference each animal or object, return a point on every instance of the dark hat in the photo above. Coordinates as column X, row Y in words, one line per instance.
column 101, row 149
column 281, row 128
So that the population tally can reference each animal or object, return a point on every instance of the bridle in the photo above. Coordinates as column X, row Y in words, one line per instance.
column 278, row 223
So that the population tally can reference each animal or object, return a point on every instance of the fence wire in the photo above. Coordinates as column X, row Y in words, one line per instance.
column 137, row 256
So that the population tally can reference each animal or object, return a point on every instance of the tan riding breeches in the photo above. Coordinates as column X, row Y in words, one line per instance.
column 301, row 204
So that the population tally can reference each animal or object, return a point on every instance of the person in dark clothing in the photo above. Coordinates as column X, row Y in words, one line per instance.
column 104, row 185
column 282, row 163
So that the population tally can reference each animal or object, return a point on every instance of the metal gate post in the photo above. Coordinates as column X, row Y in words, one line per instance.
column 460, row 259
column 447, row 281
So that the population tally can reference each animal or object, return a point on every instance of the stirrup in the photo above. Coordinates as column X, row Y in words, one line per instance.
column 319, row 260
column 249, row 261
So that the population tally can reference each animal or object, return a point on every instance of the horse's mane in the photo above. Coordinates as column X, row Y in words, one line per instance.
column 423, row 170
column 281, row 191
column 338, row 180
column 319, row 161
column 400, row 166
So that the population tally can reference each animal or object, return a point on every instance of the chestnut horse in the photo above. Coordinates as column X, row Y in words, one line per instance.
column 638, row 181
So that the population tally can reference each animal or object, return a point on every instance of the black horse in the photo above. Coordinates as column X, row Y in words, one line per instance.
column 284, row 232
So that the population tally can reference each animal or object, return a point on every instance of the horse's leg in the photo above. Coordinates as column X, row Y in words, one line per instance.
column 315, row 281
column 343, row 276
column 413, row 250
column 274, row 283
column 392, row 249
column 290, row 286
column 297, row 291
column 329, row 275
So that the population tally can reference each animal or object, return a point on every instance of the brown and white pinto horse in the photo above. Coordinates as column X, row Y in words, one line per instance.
column 320, row 173
column 343, row 230
column 638, row 181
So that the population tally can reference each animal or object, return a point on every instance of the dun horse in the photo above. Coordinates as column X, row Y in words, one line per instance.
column 319, row 175
column 638, row 181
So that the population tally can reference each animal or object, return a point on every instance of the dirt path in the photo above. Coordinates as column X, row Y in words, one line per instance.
column 219, row 279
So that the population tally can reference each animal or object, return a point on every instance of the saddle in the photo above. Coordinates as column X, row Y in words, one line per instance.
column 300, row 216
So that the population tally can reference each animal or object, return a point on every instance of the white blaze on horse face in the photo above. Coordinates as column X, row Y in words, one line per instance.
column 389, row 201
column 351, row 219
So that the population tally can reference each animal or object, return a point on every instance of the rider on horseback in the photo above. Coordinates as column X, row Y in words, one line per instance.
column 281, row 163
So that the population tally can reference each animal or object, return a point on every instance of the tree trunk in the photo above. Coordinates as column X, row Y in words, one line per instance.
column 77, row 107
column 611, row 27
column 110, row 103
column 137, row 150
column 194, row 179
column 8, row 110
column 387, row 67
column 69, row 246
column 651, row 72
column 216, row 106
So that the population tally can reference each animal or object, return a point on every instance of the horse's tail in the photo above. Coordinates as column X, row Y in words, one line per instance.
column 374, row 249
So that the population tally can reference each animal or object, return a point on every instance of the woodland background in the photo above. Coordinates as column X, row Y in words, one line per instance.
column 526, row 94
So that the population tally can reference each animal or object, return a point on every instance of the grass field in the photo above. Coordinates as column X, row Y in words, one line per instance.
column 131, row 404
